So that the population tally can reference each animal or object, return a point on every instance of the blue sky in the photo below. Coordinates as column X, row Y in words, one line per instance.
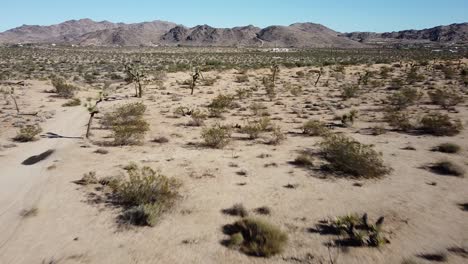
column 343, row 16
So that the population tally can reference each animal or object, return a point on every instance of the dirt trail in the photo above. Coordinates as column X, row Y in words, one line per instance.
column 21, row 186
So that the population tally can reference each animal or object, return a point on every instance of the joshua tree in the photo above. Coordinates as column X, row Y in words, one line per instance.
column 93, row 110
column 197, row 74
column 319, row 72
column 135, row 76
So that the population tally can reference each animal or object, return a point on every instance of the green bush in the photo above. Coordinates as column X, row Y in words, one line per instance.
column 63, row 89
column 147, row 194
column 216, row 136
column 128, row 125
column 351, row 157
column 315, row 128
column 257, row 238
column 440, row 125
column 28, row 133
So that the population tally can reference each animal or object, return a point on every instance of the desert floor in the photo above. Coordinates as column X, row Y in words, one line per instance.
column 421, row 208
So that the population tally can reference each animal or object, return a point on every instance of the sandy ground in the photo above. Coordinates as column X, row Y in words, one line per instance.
column 68, row 228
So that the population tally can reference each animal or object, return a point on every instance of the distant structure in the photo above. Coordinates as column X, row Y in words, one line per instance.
column 280, row 50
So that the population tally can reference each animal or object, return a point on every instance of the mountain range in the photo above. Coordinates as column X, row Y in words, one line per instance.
column 87, row 32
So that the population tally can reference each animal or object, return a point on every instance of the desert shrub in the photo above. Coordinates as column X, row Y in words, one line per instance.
column 146, row 194
column 88, row 178
column 398, row 119
column 128, row 125
column 378, row 130
column 445, row 98
column 216, row 136
column 349, row 91
column 277, row 136
column 72, row 102
column 198, row 118
column 440, row 125
column 296, row 90
column 446, row 167
column 28, row 133
column 256, row 237
column 413, row 76
column 355, row 230
column 242, row 78
column 348, row 119
column 219, row 104
column 160, row 140
column 243, row 93
column 405, row 97
column 304, row 160
column 315, row 128
column 62, row 88
column 258, row 109
column 351, row 157
column 447, row 148
column 256, row 127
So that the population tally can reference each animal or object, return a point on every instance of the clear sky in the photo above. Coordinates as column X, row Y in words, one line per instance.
column 343, row 16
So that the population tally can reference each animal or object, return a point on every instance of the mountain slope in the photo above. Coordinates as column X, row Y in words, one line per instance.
column 455, row 33
column 87, row 32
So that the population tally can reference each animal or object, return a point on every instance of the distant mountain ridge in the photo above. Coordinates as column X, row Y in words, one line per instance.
column 87, row 32
column 456, row 33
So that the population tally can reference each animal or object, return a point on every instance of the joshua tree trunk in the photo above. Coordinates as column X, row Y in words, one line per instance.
column 91, row 116
column 318, row 78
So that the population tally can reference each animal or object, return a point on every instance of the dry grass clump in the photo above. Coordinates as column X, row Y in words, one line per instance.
column 256, row 127
column 146, row 195
column 447, row 167
column 304, row 160
column 63, row 89
column 128, row 125
column 277, row 136
column 405, row 97
column 350, row 157
column 28, row 133
column 446, row 98
column 440, row 125
column 88, row 178
column 216, row 136
column 398, row 119
column 256, row 237
column 72, row 102
column 315, row 128
column 447, row 148
column 349, row 91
